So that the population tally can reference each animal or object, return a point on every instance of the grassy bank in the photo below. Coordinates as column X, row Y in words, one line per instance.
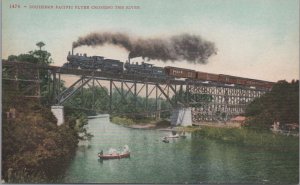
column 189, row 128
column 249, row 137
column 131, row 122
column 238, row 136
column 122, row 121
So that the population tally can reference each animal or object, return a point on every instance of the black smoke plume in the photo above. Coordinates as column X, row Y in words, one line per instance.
column 187, row 47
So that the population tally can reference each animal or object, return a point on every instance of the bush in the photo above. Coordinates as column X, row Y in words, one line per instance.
column 122, row 121
column 281, row 104
column 33, row 146
column 250, row 137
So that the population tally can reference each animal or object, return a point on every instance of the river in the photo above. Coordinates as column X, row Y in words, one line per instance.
column 189, row 160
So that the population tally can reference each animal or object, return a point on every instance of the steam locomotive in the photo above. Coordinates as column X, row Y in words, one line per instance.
column 93, row 63
column 100, row 63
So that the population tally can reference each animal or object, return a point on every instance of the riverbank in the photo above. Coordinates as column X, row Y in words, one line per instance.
column 141, row 123
column 228, row 133
column 219, row 124
column 34, row 148
column 165, row 125
column 250, row 137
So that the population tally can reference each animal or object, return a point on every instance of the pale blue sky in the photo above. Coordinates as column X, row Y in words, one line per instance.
column 255, row 38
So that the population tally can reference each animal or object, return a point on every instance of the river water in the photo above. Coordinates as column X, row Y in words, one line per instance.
column 189, row 160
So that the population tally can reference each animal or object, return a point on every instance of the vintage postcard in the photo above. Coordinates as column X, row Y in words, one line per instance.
column 141, row 91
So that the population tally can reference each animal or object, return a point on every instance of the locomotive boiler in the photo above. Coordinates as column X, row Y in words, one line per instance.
column 80, row 61
column 100, row 63
column 144, row 69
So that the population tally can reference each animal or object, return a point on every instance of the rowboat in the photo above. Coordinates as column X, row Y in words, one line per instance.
column 172, row 136
column 114, row 156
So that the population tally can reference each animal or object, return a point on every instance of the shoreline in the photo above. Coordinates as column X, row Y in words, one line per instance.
column 148, row 126
column 225, row 133
column 141, row 124
column 164, row 125
column 153, row 126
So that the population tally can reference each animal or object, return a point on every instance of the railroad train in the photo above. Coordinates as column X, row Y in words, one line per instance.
column 146, row 69
column 83, row 61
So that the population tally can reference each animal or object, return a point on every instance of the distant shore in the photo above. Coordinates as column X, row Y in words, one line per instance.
column 148, row 124
column 166, row 125
column 143, row 123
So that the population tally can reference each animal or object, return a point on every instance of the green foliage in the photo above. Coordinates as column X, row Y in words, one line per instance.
column 25, row 176
column 41, row 57
column 33, row 145
column 136, row 105
column 126, row 121
column 40, row 44
column 163, row 123
column 97, row 98
column 281, row 104
column 91, row 98
column 37, row 56
column 249, row 137
column 77, row 121
column 187, row 97
column 24, row 58
column 34, row 148
column 188, row 128
column 123, row 121
column 46, row 90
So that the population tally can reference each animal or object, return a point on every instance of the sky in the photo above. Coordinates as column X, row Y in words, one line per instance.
column 255, row 38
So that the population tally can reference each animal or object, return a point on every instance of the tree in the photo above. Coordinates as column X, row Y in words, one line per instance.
column 278, row 105
column 100, row 101
column 41, row 57
column 186, row 97
column 32, row 144
column 34, row 147
column 37, row 56
column 40, row 44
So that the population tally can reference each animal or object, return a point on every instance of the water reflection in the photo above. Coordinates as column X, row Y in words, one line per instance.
column 189, row 160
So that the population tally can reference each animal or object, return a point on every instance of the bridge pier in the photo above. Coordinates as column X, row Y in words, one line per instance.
column 181, row 117
column 58, row 112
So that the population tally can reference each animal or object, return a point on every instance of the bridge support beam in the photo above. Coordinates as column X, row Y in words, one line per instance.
column 181, row 117
column 58, row 112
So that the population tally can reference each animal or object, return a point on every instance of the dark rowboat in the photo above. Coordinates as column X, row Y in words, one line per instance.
column 114, row 156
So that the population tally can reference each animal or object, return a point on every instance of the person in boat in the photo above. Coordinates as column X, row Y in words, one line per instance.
column 113, row 151
column 165, row 139
column 125, row 149
column 101, row 152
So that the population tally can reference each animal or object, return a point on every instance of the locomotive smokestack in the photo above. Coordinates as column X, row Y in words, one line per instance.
column 72, row 50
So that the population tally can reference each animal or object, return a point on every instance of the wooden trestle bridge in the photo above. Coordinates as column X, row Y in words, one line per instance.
column 224, row 100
